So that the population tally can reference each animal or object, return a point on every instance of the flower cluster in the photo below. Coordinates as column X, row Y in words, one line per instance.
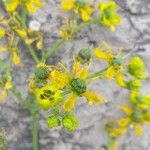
column 30, row 5
column 57, row 86
column 137, row 111
column 84, row 11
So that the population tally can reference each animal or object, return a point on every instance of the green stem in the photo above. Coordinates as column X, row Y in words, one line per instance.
column 33, row 54
column 24, row 18
column 35, row 136
column 51, row 51
column 97, row 74
column 24, row 26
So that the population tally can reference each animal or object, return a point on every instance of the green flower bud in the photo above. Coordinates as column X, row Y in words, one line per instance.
column 134, row 84
column 117, row 61
column 84, row 55
column 70, row 122
column 53, row 121
column 136, row 68
column 41, row 72
column 136, row 116
column 78, row 86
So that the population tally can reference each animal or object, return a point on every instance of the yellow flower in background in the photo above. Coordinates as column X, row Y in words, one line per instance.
column 2, row 33
column 109, row 16
column 79, row 7
column 48, row 96
column 11, row 5
column 142, row 102
column 115, row 65
column 75, row 83
column 33, row 5
column 30, row 5
column 134, row 118
column 16, row 58
column 136, row 68
column 6, row 87
column 67, row 5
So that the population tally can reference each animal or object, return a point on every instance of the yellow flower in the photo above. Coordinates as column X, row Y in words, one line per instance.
column 75, row 83
column 48, row 96
column 2, row 33
column 67, row 30
column 86, row 12
column 134, row 118
column 142, row 102
column 11, row 5
column 116, row 132
column 6, row 87
column 16, row 58
column 79, row 7
column 32, row 5
column 67, row 5
column 108, row 14
column 115, row 68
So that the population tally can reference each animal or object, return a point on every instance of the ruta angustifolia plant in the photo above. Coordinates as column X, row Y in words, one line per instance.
column 55, row 88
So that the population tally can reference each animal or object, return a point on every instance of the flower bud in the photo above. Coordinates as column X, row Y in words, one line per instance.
column 78, row 86
column 134, row 84
column 84, row 55
column 53, row 121
column 41, row 72
column 136, row 68
column 136, row 116
column 70, row 122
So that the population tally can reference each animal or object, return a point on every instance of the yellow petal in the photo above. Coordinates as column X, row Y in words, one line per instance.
column 12, row 5
column 69, row 103
column 16, row 58
column 138, row 129
column 133, row 96
column 86, row 13
column 76, row 67
column 67, row 5
column 118, row 131
column 93, row 98
column 21, row 33
column 3, row 95
column 2, row 33
column 120, row 80
column 126, row 109
column 99, row 53
column 59, row 78
column 30, row 7
column 8, row 85
column 123, row 122
column 110, row 72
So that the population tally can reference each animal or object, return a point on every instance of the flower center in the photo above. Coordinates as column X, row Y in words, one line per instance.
column 78, row 86
column 116, row 61
column 107, row 13
column 136, row 116
column 48, row 94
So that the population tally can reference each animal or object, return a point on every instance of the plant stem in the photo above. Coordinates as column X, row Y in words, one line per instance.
column 24, row 18
column 35, row 142
column 51, row 51
column 24, row 26
column 33, row 54
column 97, row 74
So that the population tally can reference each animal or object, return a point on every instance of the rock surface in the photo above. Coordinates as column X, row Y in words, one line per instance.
column 133, row 34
